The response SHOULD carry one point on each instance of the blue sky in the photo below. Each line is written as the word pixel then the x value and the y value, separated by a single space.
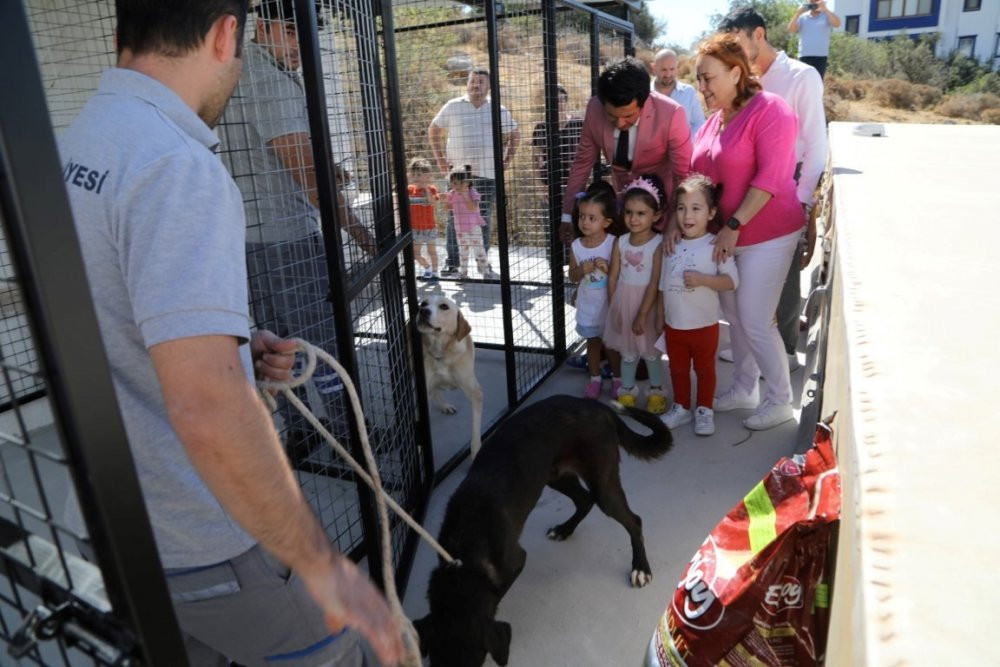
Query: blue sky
pixel 686 19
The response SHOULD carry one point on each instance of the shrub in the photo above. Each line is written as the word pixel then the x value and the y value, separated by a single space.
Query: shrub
pixel 846 89
pixel 971 107
pixel 987 82
pixel 962 70
pixel 900 94
pixel 836 108
pixel 991 116
pixel 915 60
pixel 852 55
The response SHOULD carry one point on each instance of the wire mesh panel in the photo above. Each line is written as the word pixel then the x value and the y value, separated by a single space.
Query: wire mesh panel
pixel 16 346
pixel 540 73
pixel 71 72
pixel 307 121
pixel 37 550
pixel 312 275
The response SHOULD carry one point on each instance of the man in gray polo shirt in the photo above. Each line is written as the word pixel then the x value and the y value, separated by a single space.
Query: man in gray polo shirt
pixel 162 234
pixel 267 147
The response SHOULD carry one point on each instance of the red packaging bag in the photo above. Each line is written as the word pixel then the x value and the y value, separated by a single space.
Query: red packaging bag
pixel 756 592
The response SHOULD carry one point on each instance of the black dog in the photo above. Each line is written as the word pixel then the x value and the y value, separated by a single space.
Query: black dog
pixel 556 442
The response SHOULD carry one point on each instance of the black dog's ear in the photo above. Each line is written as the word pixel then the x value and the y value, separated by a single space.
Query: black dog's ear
pixel 425 629
pixel 498 641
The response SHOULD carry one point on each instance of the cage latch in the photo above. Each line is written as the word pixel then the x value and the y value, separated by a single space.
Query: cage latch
pixel 43 624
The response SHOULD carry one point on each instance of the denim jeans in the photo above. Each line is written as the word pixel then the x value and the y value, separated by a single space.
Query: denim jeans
pixel 487 189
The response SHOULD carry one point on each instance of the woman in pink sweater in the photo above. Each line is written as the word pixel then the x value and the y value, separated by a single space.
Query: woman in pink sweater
pixel 748 146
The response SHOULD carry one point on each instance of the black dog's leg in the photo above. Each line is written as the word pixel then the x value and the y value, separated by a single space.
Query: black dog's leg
pixel 569 485
pixel 611 499
pixel 515 560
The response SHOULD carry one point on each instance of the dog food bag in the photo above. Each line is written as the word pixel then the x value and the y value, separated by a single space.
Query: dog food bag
pixel 756 592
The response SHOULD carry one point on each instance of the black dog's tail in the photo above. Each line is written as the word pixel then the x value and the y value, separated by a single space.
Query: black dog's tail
pixel 645 447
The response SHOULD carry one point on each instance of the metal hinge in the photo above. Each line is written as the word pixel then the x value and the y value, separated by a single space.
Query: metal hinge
pixel 43 624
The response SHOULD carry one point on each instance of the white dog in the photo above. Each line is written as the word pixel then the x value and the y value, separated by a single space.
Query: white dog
pixel 449 358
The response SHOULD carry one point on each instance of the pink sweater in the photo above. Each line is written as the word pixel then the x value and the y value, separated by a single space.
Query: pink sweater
pixel 467 217
pixel 756 149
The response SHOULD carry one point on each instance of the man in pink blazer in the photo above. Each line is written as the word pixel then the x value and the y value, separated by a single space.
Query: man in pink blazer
pixel 657 134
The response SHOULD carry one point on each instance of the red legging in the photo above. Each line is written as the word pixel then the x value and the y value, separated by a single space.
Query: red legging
pixel 685 346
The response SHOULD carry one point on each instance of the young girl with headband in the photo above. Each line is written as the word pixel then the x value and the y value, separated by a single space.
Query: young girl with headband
pixel 631 329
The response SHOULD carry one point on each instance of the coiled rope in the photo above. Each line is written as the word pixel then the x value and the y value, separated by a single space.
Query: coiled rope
pixel 370 477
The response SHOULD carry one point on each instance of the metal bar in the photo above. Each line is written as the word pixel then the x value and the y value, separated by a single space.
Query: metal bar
pixel 45 250
pixel 312 79
pixel 422 428
pixel 564 6
pixel 594 11
pixel 392 292
pixel 554 170
pixel 500 196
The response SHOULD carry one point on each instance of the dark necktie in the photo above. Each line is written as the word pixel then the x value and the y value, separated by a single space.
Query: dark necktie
pixel 621 151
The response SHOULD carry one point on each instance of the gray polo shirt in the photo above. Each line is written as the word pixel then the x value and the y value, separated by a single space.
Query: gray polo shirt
pixel 161 230
pixel 268 103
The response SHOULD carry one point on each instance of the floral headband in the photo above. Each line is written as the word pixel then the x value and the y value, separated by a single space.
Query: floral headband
pixel 646 185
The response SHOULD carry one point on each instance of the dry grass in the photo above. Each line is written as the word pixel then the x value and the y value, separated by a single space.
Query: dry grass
pixel 975 107
pixel 896 101
pixel 899 94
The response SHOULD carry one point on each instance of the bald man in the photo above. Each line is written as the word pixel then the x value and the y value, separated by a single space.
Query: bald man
pixel 665 82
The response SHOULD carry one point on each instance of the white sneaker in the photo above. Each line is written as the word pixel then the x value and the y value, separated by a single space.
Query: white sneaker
pixel 490 274
pixel 726 354
pixel 734 399
pixel 704 421
pixel 676 416
pixel 793 363
pixel 768 415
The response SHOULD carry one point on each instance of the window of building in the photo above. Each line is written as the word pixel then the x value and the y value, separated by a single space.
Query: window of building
pixel 972 5
pixel 967 46
pixel 852 24
pixel 892 9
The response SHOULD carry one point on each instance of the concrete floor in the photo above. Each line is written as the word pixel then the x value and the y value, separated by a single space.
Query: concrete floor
pixel 572 604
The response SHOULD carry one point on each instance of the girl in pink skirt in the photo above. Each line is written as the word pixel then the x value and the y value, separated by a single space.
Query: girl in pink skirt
pixel 631 330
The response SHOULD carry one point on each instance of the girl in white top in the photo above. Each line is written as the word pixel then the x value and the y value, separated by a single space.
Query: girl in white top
pixel 690 284
pixel 631 329
pixel 589 265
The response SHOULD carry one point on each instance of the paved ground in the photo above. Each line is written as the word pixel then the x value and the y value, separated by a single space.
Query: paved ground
pixel 572 604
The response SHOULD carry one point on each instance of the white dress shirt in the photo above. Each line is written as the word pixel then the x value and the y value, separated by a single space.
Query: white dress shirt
pixel 801 86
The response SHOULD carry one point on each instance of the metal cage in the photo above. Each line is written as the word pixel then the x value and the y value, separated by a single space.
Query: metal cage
pixel 372 76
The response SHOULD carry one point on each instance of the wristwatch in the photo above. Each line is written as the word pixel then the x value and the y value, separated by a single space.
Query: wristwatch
pixel 734 224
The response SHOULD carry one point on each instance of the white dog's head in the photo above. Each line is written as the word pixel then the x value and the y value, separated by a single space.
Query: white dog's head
pixel 439 315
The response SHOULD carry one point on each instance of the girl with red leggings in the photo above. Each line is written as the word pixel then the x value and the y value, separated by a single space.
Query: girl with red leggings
pixel 690 282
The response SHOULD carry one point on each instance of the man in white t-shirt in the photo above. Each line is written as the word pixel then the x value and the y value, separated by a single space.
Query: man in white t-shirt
pixel 665 82
pixel 462 133
pixel 814 22
pixel 800 86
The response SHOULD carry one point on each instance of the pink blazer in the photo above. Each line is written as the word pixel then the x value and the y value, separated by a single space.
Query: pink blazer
pixel 663 147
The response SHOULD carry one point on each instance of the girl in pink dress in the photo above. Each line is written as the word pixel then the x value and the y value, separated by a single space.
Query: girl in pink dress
pixel 463 200
pixel 631 330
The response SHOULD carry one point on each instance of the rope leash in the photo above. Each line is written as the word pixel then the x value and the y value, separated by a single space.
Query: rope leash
pixel 373 480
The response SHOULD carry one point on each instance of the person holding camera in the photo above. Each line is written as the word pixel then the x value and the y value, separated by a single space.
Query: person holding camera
pixel 813 23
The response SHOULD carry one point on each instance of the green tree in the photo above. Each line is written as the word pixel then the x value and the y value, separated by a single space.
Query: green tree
pixel 776 13
pixel 914 59
pixel 647 27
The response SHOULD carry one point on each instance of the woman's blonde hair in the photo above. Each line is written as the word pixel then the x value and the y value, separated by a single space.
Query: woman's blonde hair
pixel 726 48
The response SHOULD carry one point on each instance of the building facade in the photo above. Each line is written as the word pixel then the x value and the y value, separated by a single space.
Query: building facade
pixel 969 26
